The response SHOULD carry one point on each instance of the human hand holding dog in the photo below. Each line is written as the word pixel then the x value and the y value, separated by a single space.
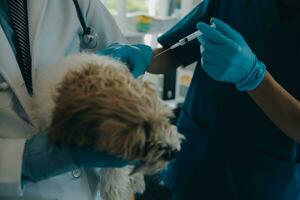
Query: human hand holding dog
pixel 136 57
pixel 86 157
pixel 43 159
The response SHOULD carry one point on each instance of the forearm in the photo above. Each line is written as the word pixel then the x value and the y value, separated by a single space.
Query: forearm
pixel 162 63
pixel 42 159
pixel 280 106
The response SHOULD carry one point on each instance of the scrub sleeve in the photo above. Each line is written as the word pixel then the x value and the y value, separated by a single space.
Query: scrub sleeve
pixel 186 55
pixel 190 52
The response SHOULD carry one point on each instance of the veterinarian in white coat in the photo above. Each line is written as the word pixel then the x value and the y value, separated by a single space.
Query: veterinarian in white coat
pixel 54 32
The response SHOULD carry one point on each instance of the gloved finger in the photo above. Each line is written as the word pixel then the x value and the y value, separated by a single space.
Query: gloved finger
pixel 146 52
pixel 212 34
pixel 136 73
pixel 135 64
pixel 115 45
pixel 210 59
pixel 201 50
pixel 142 60
pixel 206 61
pixel 103 159
pixel 207 67
pixel 208 56
pixel 212 71
pixel 208 45
pixel 134 61
pixel 108 51
pixel 226 29
pixel 144 48
pixel 118 55
pixel 104 52
pixel 139 68
pixel 87 157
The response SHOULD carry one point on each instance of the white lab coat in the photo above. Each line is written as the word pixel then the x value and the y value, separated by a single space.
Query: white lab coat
pixel 54 33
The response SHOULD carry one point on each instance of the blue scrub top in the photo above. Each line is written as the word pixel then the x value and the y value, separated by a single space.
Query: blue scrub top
pixel 233 151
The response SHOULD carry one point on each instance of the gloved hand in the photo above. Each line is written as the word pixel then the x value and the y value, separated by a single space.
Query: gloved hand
pixel 137 57
pixel 42 160
pixel 227 57
pixel 85 157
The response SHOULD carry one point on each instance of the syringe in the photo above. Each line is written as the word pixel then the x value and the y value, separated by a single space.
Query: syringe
pixel 182 42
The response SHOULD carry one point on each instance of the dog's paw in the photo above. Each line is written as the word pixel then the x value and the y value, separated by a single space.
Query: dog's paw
pixel 137 183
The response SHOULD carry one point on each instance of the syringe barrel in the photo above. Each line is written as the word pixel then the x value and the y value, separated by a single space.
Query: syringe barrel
pixel 194 35
pixel 190 37
pixel 186 39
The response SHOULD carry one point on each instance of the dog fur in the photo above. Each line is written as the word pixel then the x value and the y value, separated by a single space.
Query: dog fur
pixel 94 101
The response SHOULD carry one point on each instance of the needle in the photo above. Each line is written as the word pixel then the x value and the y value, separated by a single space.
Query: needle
pixel 182 42
pixel 163 52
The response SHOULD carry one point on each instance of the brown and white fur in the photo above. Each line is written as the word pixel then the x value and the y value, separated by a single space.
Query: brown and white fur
pixel 93 101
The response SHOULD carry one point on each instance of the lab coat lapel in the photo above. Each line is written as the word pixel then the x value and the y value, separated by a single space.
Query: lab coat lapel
pixel 10 70
pixel 36 12
pixel 9 67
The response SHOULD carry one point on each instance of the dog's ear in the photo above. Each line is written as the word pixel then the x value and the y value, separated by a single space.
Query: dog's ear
pixel 75 121
pixel 118 138
pixel 86 125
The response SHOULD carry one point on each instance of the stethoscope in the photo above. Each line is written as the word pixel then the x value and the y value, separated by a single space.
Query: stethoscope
pixel 89 37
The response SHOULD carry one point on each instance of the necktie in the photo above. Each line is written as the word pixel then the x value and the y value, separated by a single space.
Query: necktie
pixel 19 19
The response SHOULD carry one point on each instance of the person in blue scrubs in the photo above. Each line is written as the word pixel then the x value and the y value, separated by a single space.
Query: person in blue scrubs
pixel 241 142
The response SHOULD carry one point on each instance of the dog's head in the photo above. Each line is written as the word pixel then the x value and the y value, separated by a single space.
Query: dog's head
pixel 158 152
pixel 100 105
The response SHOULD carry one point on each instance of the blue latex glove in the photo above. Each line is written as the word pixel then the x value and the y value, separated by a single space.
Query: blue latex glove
pixel 86 157
pixel 227 57
pixel 136 57
pixel 42 160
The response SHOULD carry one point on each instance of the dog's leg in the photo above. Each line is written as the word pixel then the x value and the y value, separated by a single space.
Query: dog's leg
pixel 115 184
pixel 137 183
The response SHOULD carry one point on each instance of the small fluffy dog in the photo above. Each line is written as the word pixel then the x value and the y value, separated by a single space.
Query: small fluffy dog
pixel 94 101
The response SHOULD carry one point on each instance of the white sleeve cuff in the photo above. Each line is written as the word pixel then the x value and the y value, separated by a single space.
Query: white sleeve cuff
pixel 11 157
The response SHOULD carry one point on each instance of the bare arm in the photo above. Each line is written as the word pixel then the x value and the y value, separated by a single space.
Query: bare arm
pixel 280 106
pixel 162 63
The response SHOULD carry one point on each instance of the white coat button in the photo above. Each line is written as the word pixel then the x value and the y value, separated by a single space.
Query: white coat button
pixel 4 86
pixel 77 173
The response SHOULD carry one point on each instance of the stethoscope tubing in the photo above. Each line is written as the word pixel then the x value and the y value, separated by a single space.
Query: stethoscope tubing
pixel 81 18
pixel 89 38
